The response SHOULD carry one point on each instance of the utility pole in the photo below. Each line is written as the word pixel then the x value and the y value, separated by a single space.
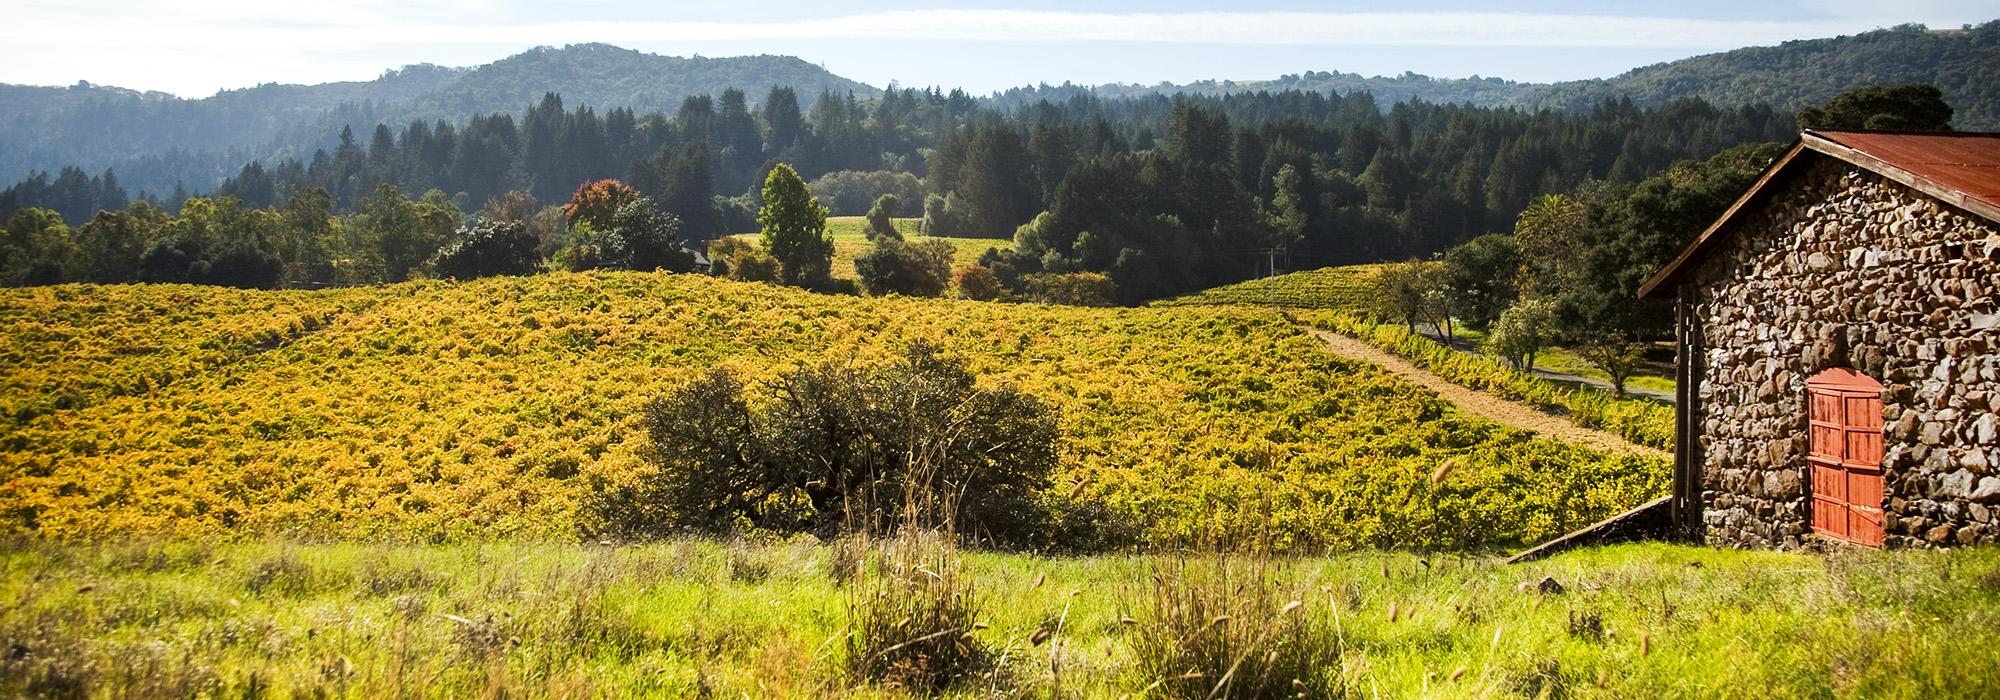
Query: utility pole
pixel 1270 266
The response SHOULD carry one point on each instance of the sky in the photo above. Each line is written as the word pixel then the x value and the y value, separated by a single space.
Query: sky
pixel 193 49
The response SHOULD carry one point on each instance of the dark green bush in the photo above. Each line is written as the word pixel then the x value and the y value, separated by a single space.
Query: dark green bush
pixel 918 269
pixel 491 248
pixel 836 447
pixel 1070 289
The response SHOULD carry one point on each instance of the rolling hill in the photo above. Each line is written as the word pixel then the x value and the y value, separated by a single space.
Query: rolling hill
pixel 1347 289
pixel 496 408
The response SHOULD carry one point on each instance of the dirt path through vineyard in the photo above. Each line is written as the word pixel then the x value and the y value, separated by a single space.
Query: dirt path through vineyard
pixel 1491 407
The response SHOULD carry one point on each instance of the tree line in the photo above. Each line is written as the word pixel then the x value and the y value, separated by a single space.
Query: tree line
pixel 1159 195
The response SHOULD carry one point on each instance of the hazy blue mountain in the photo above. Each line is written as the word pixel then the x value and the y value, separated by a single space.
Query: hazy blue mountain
pixel 46 128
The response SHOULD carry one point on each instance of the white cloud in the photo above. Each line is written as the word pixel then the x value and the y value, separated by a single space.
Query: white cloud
pixel 198 46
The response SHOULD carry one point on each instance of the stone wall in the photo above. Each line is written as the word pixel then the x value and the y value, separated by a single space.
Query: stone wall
pixel 1844 268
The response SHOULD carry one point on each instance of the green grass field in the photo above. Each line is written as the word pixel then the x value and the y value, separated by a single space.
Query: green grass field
pixel 706 619
pixel 849 242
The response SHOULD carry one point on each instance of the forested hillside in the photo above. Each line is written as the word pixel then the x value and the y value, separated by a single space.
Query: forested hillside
pixel 1160 195
pixel 1964 63
pixel 154 140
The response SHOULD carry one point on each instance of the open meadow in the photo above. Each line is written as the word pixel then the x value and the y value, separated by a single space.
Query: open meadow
pixel 694 618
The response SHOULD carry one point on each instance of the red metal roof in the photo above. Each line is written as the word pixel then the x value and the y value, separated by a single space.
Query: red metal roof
pixel 1958 168
pixel 1954 165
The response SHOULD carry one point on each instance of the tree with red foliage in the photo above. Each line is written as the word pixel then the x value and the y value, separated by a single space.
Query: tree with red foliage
pixel 595 202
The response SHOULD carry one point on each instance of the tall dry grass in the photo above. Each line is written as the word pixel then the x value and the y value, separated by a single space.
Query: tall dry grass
pixel 1234 626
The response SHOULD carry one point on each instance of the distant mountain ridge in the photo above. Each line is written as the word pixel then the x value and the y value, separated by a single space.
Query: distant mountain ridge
pixel 1963 63
pixel 155 139
pixel 93 126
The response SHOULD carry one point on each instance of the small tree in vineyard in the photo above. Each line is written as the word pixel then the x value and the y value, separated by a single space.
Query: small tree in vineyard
pixel 794 227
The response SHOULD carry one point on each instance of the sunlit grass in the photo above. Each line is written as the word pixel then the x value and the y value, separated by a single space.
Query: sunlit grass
pixel 684 618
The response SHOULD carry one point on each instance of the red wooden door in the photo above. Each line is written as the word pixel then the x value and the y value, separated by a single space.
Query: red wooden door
pixel 1846 456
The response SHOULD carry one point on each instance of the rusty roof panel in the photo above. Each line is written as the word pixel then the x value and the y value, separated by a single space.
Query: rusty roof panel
pixel 1963 163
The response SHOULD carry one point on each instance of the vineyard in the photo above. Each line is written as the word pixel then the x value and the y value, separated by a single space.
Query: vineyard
pixel 850 242
pixel 1346 289
pixel 435 411
pixel 1641 421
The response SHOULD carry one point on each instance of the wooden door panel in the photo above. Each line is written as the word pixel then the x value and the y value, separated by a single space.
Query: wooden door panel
pixel 1862 411
pixel 1827 441
pixel 1865 526
pixel 1830 517
pixel 1863 489
pixel 1864 449
pixel 1830 483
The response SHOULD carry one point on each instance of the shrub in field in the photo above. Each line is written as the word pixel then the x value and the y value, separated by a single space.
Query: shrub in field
pixel 793 225
pixel 1617 355
pixel 1412 291
pixel 738 260
pixel 651 238
pixel 596 202
pixel 881 218
pixel 892 266
pixel 1069 288
pixel 833 445
pixel 1523 331
pixel 1232 627
pixel 976 282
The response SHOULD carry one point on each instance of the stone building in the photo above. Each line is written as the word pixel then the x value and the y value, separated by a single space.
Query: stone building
pixel 1840 348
